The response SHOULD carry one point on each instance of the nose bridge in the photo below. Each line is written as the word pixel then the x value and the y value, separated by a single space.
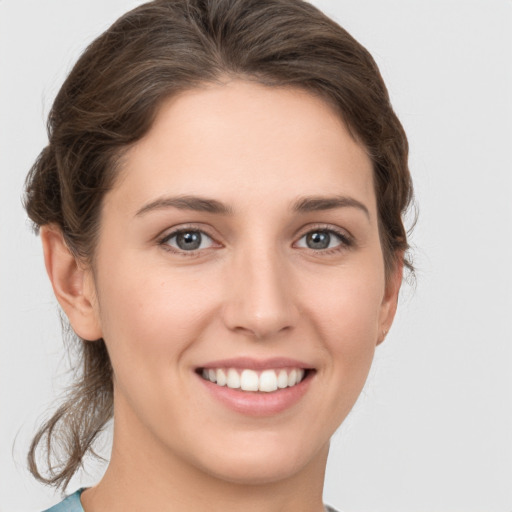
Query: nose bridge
pixel 260 299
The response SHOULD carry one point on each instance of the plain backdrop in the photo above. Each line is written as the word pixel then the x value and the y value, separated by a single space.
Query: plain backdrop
pixel 432 430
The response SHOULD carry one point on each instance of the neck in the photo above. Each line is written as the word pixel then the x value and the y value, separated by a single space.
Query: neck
pixel 145 476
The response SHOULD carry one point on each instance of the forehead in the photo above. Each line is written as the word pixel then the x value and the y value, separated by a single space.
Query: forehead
pixel 241 139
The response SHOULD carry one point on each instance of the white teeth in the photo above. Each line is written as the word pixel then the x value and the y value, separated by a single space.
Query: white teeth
pixel 251 380
pixel 221 377
pixel 233 380
pixel 268 381
pixel 282 379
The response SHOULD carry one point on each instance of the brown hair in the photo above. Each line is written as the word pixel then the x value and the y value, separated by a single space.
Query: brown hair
pixel 109 101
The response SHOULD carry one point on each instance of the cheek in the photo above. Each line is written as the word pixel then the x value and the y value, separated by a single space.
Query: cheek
pixel 148 316
pixel 347 318
pixel 149 324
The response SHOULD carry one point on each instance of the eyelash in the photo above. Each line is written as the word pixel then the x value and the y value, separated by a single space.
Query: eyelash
pixel 346 240
pixel 163 242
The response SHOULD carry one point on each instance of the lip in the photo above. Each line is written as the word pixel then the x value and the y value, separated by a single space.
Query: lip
pixel 257 364
pixel 257 404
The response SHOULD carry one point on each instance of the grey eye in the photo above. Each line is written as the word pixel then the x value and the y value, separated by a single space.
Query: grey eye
pixel 320 239
pixel 192 240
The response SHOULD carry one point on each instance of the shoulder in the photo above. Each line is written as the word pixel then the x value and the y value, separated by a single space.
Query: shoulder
pixel 70 504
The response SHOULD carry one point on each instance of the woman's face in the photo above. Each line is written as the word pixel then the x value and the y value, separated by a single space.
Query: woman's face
pixel 240 243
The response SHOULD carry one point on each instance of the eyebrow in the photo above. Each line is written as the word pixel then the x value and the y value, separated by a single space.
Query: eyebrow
pixel 198 204
pixel 203 204
pixel 320 203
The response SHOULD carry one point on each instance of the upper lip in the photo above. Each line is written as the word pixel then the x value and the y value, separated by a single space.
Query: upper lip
pixel 257 364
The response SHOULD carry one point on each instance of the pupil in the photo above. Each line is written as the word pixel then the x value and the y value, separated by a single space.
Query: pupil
pixel 318 240
pixel 189 240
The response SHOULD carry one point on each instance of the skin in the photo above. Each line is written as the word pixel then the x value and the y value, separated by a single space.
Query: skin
pixel 254 289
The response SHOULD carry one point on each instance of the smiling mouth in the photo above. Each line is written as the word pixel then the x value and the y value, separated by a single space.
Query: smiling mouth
pixel 266 381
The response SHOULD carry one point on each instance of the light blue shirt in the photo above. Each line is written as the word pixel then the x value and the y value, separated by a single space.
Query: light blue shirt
pixel 70 504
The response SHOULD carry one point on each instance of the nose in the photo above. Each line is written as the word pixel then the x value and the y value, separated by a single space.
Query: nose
pixel 260 299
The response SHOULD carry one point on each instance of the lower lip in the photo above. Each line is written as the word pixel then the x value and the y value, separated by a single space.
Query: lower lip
pixel 259 403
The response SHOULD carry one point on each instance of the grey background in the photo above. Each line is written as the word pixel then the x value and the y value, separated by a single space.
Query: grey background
pixel 433 428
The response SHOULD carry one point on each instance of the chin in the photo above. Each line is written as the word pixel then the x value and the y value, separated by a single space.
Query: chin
pixel 257 464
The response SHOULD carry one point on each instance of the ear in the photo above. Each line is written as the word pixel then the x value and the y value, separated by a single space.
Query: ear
pixel 72 283
pixel 390 299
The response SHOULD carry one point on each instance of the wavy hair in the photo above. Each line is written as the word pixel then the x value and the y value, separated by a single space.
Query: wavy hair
pixel 109 101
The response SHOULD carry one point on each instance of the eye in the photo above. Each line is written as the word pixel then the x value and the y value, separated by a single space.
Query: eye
pixel 322 239
pixel 188 240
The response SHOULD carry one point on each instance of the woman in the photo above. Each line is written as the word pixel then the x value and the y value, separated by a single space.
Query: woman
pixel 220 206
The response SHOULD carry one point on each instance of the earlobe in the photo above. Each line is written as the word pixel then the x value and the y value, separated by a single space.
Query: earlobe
pixel 390 300
pixel 72 284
